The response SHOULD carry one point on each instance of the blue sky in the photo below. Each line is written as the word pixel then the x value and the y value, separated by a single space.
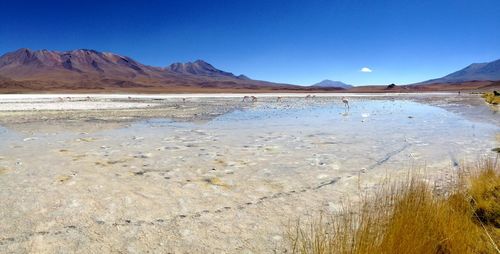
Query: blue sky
pixel 298 42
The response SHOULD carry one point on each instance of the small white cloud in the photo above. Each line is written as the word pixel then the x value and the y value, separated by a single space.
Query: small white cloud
pixel 366 69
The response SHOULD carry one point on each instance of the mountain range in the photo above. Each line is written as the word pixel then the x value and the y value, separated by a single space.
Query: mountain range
pixel 26 70
pixel 86 69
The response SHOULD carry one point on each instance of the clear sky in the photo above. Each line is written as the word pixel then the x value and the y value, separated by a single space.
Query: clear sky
pixel 290 41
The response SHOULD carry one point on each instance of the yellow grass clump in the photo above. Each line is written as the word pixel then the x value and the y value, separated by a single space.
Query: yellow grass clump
pixel 492 97
pixel 411 217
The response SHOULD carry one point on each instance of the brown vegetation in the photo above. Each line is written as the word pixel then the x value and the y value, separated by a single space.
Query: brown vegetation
pixel 492 97
pixel 412 217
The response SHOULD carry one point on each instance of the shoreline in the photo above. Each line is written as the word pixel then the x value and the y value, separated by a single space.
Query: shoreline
pixel 202 106
pixel 203 95
pixel 82 102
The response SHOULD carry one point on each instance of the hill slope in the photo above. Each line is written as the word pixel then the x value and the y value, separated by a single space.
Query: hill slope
pixel 474 72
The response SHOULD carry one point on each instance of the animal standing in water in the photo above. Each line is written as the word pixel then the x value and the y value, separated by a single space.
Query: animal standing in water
pixel 253 98
pixel 346 102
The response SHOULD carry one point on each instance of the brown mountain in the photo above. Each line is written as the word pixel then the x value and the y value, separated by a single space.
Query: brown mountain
pixel 25 64
pixel 83 69
pixel 202 68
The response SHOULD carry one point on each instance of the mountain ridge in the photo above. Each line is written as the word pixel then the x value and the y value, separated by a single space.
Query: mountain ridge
pixel 25 64
pixel 17 64
pixel 88 69
pixel 488 71
pixel 91 70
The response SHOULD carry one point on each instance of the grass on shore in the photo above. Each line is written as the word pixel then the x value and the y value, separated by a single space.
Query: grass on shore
pixel 412 217
pixel 491 98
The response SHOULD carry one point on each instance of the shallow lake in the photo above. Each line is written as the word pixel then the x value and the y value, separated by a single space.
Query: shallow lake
pixel 228 179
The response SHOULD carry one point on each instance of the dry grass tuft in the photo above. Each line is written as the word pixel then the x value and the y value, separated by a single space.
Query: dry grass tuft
pixel 485 195
pixel 411 217
pixel 491 98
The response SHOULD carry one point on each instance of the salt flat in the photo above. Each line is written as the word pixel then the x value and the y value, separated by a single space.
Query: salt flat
pixel 212 173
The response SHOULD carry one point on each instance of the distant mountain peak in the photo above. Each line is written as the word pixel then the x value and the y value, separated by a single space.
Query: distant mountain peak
pixel 332 83
pixel 201 68
pixel 489 71
pixel 199 61
pixel 241 76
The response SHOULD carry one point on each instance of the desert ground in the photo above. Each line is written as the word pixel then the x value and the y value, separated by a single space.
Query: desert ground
pixel 205 173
